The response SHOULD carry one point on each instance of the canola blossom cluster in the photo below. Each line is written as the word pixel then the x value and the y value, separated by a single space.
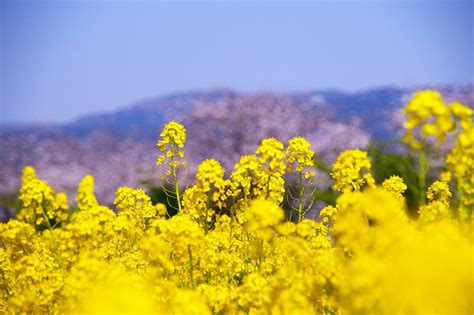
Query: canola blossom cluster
pixel 232 249
pixel 428 116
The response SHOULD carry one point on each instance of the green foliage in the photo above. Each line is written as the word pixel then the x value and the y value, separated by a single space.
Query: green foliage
pixel 158 195
pixel 386 162
pixel 9 205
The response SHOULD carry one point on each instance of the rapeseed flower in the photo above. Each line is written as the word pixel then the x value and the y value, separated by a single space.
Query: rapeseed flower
pixel 231 251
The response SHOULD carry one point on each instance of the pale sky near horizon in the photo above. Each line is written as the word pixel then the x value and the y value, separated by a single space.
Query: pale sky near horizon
pixel 60 60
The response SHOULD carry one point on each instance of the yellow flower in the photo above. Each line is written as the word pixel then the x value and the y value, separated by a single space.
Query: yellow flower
pixel 231 251
pixel 135 204
pixel 463 113
pixel 173 138
pixel 396 186
pixel 269 182
pixel 85 193
pixel 350 171
pixel 160 160
pixel 439 191
pixel 466 138
pixel 173 133
pixel 243 176
pixel 427 108
pixel 171 144
pixel 299 151
pixel 209 172
pixel 262 216
pixel 41 206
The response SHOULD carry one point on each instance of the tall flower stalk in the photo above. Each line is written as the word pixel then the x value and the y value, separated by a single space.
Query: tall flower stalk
pixel 300 158
pixel 171 144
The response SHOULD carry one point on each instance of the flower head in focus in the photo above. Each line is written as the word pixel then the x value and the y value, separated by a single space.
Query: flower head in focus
pixel 172 142
pixel 351 171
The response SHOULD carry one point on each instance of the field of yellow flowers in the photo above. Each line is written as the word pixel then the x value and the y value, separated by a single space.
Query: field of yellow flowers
pixel 230 249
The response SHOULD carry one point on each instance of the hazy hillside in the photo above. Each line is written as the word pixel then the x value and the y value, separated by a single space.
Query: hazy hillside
pixel 141 121
pixel 122 143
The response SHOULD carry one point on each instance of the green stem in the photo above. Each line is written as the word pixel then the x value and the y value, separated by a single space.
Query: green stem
pixel 5 282
pixel 191 266
pixel 422 171
pixel 465 213
pixel 460 198
pixel 231 225
pixel 53 241
pixel 175 177
pixel 300 195
pixel 176 188
pixel 206 228
pixel 465 210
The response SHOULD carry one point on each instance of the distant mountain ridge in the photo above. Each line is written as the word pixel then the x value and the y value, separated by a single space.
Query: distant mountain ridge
pixel 142 121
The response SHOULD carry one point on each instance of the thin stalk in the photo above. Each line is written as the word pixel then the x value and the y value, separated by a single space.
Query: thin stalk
pixel 465 211
pixel 191 266
pixel 300 200
pixel 422 171
pixel 206 228
pixel 231 225
pixel 175 178
pixel 5 282
pixel 53 241
pixel 176 187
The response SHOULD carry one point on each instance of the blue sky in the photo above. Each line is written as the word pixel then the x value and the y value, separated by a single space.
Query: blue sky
pixel 60 60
